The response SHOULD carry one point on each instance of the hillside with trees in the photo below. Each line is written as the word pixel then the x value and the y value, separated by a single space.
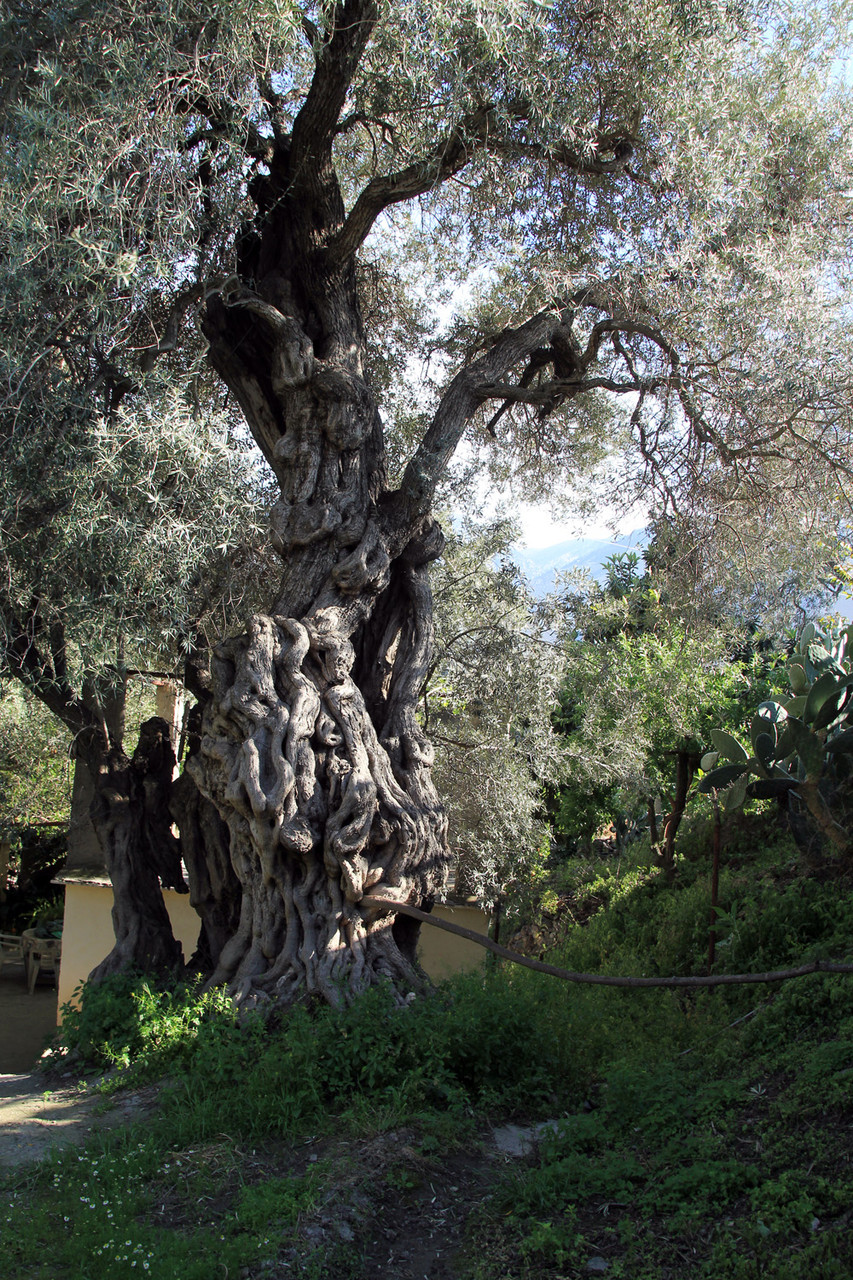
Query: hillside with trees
pixel 286 291
pixel 226 234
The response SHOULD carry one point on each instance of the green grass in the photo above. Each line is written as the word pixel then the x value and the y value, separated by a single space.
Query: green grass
pixel 739 1162
pixel 704 1133
pixel 728 1151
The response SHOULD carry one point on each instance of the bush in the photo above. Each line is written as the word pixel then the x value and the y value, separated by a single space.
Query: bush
pixel 134 1021
pixel 506 1040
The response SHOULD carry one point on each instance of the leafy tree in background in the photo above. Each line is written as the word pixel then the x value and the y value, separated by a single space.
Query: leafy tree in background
pixel 115 533
pixel 35 790
pixel 643 689
pixel 127 517
pixel 488 705
pixel 35 781
pixel 648 206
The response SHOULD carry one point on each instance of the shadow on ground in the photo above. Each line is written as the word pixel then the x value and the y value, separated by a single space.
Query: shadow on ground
pixel 26 1021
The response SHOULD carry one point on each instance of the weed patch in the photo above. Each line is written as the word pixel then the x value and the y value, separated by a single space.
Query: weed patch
pixel 703 1133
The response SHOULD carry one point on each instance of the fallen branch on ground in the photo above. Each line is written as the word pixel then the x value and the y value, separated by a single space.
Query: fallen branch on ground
pixel 605 980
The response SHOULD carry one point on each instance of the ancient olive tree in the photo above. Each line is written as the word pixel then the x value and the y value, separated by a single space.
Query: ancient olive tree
pixel 110 563
pixel 648 205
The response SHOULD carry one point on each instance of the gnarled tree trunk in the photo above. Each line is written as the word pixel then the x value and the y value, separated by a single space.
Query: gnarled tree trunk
pixel 215 891
pixel 310 746
pixel 131 819
pixel 312 754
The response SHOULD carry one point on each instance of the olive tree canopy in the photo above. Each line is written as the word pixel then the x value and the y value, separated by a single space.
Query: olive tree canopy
pixel 639 205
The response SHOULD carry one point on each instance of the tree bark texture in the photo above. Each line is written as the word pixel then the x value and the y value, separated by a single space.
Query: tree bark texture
pixel 215 891
pixel 131 819
pixel 129 806
pixel 326 796
pixel 310 747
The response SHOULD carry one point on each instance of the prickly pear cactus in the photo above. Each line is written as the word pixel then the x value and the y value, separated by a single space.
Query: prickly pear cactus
pixel 802 747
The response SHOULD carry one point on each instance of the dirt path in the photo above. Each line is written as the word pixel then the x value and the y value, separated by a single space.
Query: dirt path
pixel 27 1022
pixel 37 1116
pixel 33 1119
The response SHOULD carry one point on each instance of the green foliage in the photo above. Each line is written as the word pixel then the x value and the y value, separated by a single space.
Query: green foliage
pixel 730 1146
pixel 768 917
pixel 126 190
pixel 133 139
pixel 280 1201
pixel 35 780
pixel 712 1124
pixel 132 1020
pixel 645 682
pixel 128 503
pixel 495 750
pixel 801 746
pixel 553 1243
pixel 27 896
pixel 456 1047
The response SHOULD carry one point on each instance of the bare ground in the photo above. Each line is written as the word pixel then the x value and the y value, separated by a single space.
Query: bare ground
pixel 37 1114
pixel 27 1022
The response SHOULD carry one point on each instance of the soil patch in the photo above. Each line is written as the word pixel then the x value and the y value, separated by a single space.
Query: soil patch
pixel 401 1212
pixel 27 1022
pixel 420 1217
pixel 37 1115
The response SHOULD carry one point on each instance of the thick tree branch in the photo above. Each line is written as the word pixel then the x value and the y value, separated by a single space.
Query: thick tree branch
pixel 483 380
pixel 567 158
pixel 627 327
pixel 459 404
pixel 389 133
pixel 169 340
pixel 447 158
pixel 28 664
pixel 337 60
pixel 477 131
pixel 601 979
pixel 546 394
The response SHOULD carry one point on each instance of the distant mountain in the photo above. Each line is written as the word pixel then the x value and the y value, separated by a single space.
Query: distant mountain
pixel 540 565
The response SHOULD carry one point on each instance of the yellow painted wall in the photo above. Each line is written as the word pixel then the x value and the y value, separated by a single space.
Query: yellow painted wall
pixel 442 953
pixel 87 932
